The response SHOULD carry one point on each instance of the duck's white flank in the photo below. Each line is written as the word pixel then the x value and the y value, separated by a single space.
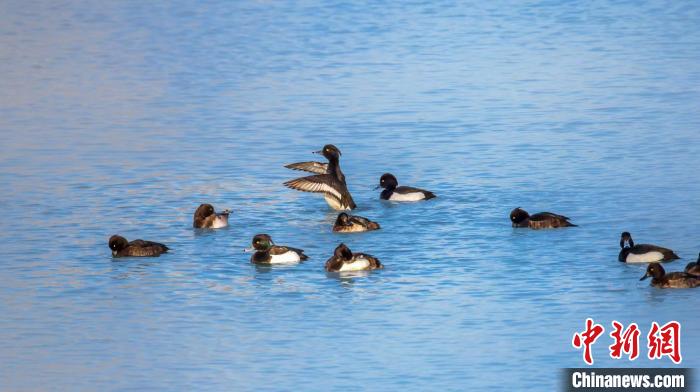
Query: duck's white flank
pixel 219 222
pixel 358 264
pixel 413 196
pixel 648 257
pixel 285 258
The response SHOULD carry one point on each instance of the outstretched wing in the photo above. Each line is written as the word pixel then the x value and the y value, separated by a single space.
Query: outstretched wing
pixel 326 184
pixel 311 167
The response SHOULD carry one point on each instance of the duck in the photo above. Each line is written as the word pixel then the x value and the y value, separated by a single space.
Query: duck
pixel 136 248
pixel 693 268
pixel 392 191
pixel 353 224
pixel 206 218
pixel 344 260
pixel 672 280
pixel 330 182
pixel 642 253
pixel 266 252
pixel 540 220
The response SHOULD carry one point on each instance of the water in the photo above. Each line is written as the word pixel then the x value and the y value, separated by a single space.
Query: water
pixel 123 118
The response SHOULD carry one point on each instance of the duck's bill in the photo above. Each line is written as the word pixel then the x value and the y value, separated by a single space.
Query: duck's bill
pixel 248 250
pixel 225 212
pixel 644 277
pixel 377 187
pixel 317 152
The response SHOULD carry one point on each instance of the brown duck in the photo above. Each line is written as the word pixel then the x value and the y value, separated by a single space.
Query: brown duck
pixel 671 280
pixel 693 267
pixel 205 217
pixel 136 248
pixel 343 260
pixel 541 220
pixel 353 224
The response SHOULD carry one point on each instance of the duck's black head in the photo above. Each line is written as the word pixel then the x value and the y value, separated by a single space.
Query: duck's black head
pixel 655 270
pixel 343 219
pixel 388 181
pixel 117 243
pixel 262 242
pixel 518 215
pixel 330 152
pixel 342 252
pixel 626 240
pixel 204 211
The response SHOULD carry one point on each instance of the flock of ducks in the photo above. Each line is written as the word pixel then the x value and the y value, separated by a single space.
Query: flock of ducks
pixel 329 180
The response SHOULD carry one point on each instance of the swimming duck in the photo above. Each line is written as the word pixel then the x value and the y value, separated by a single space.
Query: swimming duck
pixel 693 267
pixel 642 253
pixel 136 248
pixel 206 218
pixel 672 280
pixel 353 224
pixel 266 252
pixel 330 182
pixel 541 220
pixel 343 260
pixel 392 191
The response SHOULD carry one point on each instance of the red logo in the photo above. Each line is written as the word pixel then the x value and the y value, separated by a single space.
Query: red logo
pixel 665 341
pixel 662 341
pixel 627 342
pixel 587 338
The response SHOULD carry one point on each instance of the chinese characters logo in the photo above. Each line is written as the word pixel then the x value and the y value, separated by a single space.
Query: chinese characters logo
pixel 664 340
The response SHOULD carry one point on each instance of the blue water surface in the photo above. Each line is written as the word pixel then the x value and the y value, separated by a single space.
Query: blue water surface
pixel 123 117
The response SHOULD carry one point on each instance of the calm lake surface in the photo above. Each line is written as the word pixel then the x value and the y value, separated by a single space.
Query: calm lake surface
pixel 123 118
